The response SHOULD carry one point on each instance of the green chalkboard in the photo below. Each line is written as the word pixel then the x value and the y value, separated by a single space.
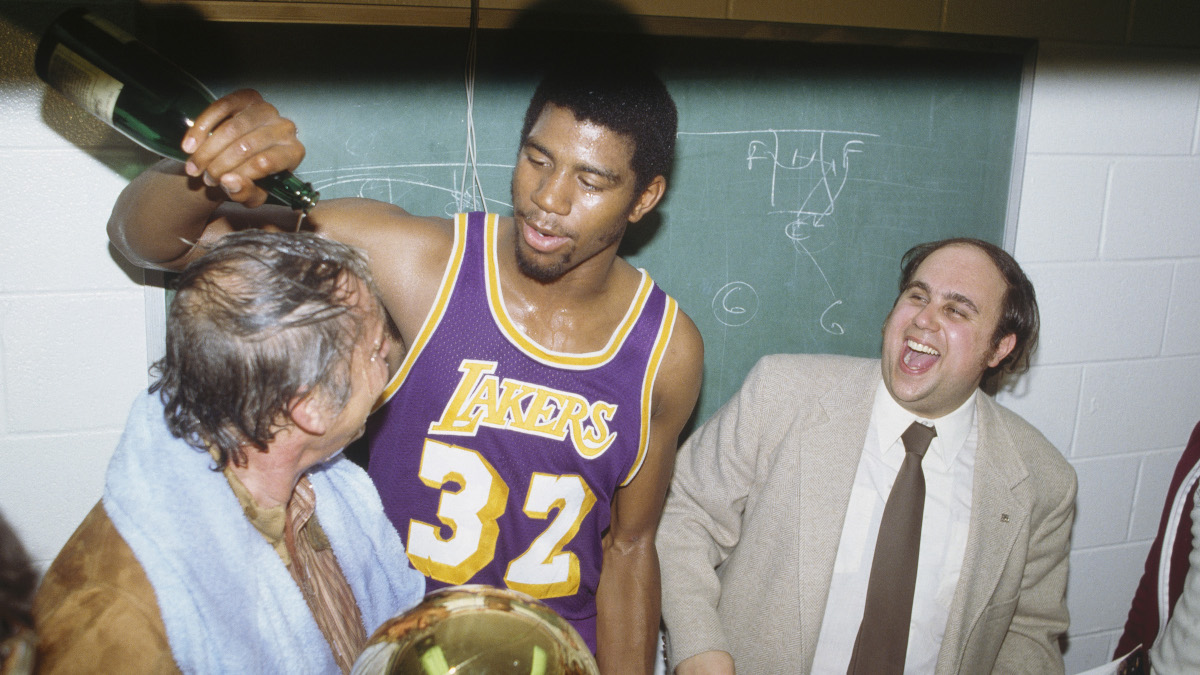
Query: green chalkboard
pixel 803 171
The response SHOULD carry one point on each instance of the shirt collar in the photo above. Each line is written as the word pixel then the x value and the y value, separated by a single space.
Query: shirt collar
pixel 952 429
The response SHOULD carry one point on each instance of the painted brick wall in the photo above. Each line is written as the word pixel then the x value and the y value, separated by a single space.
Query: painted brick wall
pixel 72 317
pixel 1108 230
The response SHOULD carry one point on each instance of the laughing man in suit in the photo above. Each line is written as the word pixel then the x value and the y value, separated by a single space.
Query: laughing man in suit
pixel 769 532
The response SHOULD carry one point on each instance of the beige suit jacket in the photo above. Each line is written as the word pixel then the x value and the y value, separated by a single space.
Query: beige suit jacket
pixel 753 519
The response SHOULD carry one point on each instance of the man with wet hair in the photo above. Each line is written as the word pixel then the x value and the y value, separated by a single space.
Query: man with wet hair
pixel 232 536
pixel 769 538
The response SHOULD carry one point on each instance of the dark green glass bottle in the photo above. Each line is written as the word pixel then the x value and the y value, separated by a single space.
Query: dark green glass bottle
pixel 136 91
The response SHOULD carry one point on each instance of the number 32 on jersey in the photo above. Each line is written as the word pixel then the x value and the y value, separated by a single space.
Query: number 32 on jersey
pixel 544 570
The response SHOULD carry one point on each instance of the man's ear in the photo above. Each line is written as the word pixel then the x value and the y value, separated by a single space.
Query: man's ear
pixel 649 198
pixel 1003 349
pixel 309 414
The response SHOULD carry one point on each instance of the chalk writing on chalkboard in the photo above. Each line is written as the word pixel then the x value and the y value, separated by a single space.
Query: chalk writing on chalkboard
pixel 807 170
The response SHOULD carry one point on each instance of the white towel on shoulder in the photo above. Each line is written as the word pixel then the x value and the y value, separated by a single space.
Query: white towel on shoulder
pixel 227 600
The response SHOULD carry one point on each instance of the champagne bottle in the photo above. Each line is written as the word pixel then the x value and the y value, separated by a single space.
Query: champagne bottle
pixel 136 91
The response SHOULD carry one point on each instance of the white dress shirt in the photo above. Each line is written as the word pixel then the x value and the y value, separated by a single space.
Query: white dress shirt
pixel 949 467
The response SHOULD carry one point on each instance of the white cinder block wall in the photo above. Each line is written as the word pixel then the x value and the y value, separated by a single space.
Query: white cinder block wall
pixel 1110 209
pixel 72 317
pixel 1109 231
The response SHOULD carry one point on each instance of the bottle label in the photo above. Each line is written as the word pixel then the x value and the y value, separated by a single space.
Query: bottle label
pixel 79 80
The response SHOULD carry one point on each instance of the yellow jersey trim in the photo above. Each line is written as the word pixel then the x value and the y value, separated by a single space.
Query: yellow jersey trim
pixel 666 329
pixel 547 356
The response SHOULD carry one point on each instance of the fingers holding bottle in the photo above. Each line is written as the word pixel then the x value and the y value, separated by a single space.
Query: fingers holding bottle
pixel 239 139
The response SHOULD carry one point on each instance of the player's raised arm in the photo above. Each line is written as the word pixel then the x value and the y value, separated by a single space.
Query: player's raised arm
pixel 170 207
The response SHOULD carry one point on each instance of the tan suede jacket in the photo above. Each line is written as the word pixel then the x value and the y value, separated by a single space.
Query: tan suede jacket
pixel 96 611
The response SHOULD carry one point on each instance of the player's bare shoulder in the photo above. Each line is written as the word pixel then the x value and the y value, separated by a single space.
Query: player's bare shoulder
pixel 686 350
pixel 407 253
pixel 390 236
pixel 687 339
pixel 681 372
pixel 369 224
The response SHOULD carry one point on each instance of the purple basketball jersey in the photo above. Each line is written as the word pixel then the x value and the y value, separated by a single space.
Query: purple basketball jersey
pixel 497 459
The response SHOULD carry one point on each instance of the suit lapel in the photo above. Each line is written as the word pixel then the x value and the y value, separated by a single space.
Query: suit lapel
pixel 999 509
pixel 829 451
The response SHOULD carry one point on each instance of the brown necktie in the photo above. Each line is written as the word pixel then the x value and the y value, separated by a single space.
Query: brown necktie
pixel 883 634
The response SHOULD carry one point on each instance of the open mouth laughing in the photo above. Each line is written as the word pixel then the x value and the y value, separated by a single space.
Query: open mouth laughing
pixel 919 357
